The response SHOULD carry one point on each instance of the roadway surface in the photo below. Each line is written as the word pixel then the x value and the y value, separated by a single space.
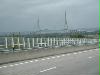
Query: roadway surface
pixel 76 63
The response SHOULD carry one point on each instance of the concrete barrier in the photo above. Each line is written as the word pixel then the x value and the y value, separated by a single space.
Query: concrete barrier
pixel 32 54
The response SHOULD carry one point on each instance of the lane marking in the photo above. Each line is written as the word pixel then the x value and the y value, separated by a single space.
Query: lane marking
pixel 58 56
pixel 47 58
pixel 48 69
pixel 75 53
pixel 21 63
pixel 95 49
pixel 90 57
pixel 4 66
pixel 16 64
pixel 43 59
pixel 31 61
pixel 53 57
pixel 79 52
pixel 26 62
pixel 84 51
pixel 63 55
pixel 11 65
pixel 36 60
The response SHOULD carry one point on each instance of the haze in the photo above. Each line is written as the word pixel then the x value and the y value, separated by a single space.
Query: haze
pixel 21 15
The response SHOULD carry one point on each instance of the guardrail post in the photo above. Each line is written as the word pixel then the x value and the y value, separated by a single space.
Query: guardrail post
pixel 33 42
pixel 41 41
pixel 28 41
pixel 12 41
pixel 45 42
pixel 48 41
pixel 6 42
pixel 37 42
pixel 64 41
pixel 23 43
pixel 53 41
pixel 18 42
pixel 56 41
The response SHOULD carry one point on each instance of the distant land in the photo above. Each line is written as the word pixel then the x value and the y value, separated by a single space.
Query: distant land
pixel 53 31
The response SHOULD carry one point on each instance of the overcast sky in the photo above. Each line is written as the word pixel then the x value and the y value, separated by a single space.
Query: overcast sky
pixel 21 15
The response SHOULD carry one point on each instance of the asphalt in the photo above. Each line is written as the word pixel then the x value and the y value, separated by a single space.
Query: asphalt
pixel 76 63
pixel 39 53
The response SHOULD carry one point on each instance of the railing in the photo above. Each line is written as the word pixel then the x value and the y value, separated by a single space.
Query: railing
pixel 23 43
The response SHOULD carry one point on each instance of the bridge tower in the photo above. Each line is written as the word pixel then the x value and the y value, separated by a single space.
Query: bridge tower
pixel 38 25
pixel 66 24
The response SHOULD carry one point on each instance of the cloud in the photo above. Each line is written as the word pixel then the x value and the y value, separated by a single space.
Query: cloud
pixel 21 15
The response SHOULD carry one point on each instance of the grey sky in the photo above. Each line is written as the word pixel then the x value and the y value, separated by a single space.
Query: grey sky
pixel 21 15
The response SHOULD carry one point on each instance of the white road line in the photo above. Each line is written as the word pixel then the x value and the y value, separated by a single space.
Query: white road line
pixel 79 52
pixel 4 66
pixel 31 61
pixel 43 59
pixel 53 57
pixel 26 62
pixel 84 51
pixel 11 65
pixel 90 57
pixel 48 69
pixel 36 60
pixel 75 53
pixel 16 64
pixel 58 56
pixel 47 58
pixel 21 63
pixel 63 55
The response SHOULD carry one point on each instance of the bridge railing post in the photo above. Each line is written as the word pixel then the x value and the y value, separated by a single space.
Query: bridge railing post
pixel 6 42
pixel 24 43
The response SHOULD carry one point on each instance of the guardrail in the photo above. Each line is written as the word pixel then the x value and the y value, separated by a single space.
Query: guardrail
pixel 14 44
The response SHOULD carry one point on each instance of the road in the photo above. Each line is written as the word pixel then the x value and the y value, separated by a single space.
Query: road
pixel 77 63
